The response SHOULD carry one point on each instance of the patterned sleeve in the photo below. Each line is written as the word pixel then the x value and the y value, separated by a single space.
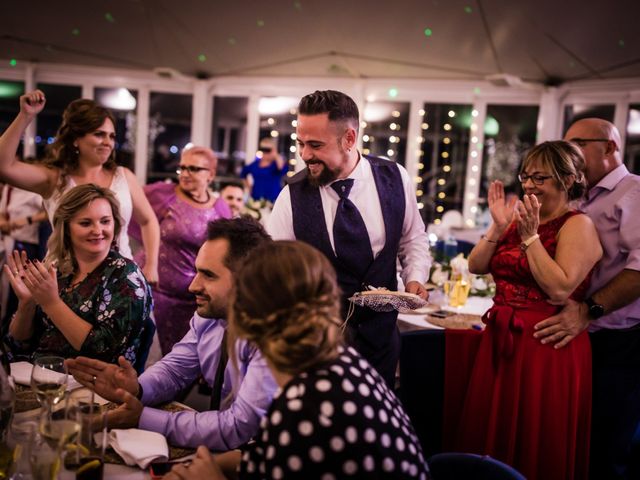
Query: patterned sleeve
pixel 120 306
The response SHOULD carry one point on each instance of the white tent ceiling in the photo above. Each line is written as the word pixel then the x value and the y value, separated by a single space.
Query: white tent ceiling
pixel 539 41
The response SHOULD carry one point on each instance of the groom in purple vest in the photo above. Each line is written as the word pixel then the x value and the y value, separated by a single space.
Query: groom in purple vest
pixel 361 212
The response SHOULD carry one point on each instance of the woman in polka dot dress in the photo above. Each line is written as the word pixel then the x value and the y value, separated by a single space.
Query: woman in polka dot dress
pixel 334 416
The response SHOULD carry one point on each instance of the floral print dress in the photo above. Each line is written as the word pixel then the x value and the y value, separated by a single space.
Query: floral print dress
pixel 115 298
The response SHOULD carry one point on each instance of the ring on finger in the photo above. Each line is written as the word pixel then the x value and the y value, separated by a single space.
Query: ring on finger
pixel 93 380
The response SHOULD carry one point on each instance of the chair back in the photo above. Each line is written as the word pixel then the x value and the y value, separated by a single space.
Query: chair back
pixel 146 339
pixel 463 466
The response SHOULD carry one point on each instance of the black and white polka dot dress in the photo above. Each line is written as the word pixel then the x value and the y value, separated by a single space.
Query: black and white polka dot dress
pixel 338 421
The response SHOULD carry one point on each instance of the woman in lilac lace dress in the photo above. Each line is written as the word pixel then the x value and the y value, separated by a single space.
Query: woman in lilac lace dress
pixel 183 212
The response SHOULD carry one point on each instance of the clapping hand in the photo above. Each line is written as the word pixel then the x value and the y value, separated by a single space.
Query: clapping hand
pixel 527 214
pixel 32 103
pixel 15 270
pixel 501 210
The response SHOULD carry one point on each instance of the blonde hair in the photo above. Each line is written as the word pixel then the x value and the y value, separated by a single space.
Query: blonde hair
pixel 77 198
pixel 564 160
pixel 286 301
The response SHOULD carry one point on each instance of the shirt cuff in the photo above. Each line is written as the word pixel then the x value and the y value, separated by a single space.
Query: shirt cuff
pixel 154 420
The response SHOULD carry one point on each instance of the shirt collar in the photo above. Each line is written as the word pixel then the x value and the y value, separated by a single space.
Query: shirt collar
pixel 360 172
pixel 610 180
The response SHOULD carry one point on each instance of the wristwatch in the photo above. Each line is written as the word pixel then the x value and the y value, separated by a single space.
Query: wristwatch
pixel 596 310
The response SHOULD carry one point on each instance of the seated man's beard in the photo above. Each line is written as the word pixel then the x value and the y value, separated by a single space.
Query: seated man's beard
pixel 325 178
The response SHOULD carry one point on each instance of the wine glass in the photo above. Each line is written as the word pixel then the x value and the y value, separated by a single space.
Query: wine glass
pixel 49 381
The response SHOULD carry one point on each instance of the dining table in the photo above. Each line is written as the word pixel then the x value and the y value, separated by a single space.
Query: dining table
pixel 27 407
pixel 437 342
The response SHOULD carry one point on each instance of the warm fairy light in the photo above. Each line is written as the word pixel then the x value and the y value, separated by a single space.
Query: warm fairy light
pixel 292 161
pixel 447 126
pixel 363 124
pixel 366 151
pixel 390 153
pixel 446 168
pixel 437 221
pixel 475 168
pixel 421 112
pixel 365 138
pixel 420 139
pixel 393 126
pixel 420 205
pixel 292 149
pixel 395 114
pixel 474 113
pixel 441 181
pixel 439 209
pixel 424 126
pixel 270 121
pixel 474 127
pixel 442 195
pixel 451 114
pixel 290 174
pixel 471 196
pixel 470 223
pixel 274 133
pixel 421 166
pixel 472 182
pixel 293 136
pixel 417 179
pixel 474 209
pixel 445 155
pixel 474 139
pixel 294 123
pixel 474 154
pixel 419 193
pixel 446 140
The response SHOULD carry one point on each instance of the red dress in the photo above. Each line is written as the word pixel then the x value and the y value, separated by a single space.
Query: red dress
pixel 525 403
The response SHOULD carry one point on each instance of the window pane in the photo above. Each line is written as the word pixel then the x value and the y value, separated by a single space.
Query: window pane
pixel 509 131
pixel 576 112
pixel 122 102
pixel 9 103
pixel 169 132
pixel 632 147
pixel 443 166
pixel 385 131
pixel 229 134
pixel 50 119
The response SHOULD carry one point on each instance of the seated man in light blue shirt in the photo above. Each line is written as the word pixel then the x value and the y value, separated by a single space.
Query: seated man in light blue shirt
pixel 199 352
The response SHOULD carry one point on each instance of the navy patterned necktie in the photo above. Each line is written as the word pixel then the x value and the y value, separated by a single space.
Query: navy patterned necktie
pixel 350 237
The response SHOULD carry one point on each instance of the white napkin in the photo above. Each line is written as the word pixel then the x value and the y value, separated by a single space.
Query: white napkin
pixel 21 373
pixel 139 447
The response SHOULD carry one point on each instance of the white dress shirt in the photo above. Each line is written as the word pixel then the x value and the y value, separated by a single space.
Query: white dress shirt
pixel 413 251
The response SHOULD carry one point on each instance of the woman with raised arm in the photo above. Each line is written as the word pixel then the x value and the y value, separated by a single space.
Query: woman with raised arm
pixel 83 152
pixel 85 298
pixel 528 403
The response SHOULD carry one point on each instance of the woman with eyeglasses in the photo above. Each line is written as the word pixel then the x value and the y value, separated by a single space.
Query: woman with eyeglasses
pixel 83 152
pixel 528 403
pixel 183 211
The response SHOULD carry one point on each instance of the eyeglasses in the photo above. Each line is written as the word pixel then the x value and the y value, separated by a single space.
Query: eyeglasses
pixel 581 142
pixel 536 178
pixel 265 149
pixel 190 169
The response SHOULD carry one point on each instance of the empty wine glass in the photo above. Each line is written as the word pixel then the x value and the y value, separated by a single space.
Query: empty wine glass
pixel 49 381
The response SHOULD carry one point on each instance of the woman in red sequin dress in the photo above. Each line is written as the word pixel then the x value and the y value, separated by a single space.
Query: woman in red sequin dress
pixel 528 403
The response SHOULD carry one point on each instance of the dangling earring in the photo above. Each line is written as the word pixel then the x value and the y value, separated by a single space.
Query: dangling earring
pixel 76 150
